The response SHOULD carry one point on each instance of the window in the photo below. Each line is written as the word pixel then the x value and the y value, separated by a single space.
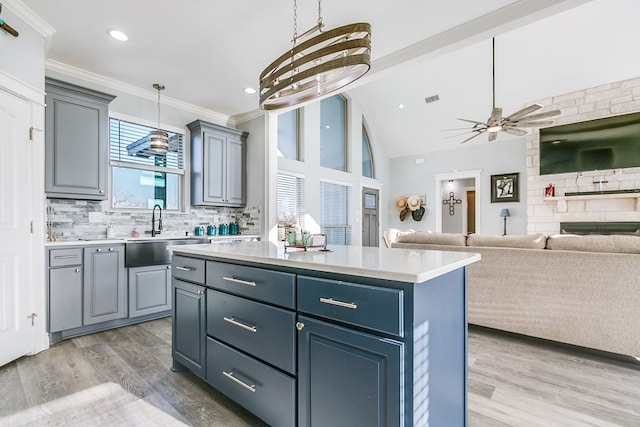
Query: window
pixel 290 200
pixel 367 156
pixel 289 135
pixel 334 213
pixel 333 133
pixel 140 177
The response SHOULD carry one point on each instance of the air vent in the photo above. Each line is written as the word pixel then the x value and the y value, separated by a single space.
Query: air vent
pixel 431 99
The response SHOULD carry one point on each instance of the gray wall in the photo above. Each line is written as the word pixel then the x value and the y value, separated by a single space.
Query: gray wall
pixel 508 156
pixel 256 161
pixel 22 57
pixel 454 223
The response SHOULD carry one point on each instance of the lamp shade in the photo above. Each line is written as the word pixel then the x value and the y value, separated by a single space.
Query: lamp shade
pixel 504 213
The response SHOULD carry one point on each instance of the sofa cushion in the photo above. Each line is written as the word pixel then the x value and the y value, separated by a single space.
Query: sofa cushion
pixel 623 244
pixel 525 241
pixel 448 239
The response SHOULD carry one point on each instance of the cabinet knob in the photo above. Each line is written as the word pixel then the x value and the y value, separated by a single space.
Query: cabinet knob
pixel 98 250
pixel 200 293
pixel 110 249
pixel 101 191
pixel 168 267
pixel 77 270
pixel 299 326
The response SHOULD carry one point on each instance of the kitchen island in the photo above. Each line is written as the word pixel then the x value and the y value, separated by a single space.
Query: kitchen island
pixel 347 337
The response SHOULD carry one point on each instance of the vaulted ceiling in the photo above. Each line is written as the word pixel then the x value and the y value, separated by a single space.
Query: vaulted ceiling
pixel 206 52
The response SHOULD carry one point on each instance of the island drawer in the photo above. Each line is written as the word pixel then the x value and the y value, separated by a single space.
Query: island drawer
pixel 378 309
pixel 263 331
pixel 256 283
pixel 263 390
pixel 64 257
pixel 186 268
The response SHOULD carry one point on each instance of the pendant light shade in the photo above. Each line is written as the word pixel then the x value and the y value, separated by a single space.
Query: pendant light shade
pixel 316 66
pixel 158 139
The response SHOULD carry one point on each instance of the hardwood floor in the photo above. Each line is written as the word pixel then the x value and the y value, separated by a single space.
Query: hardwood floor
pixel 122 377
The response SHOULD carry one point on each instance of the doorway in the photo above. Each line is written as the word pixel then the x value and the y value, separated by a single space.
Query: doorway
pixel 370 215
pixel 440 181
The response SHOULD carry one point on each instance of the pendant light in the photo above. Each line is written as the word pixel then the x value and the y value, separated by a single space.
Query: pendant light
pixel 316 66
pixel 158 139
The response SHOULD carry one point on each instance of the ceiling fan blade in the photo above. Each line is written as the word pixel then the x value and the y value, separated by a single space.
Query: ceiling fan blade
pixel 445 130
pixel 492 136
pixel 473 121
pixel 527 123
pixel 470 138
pixel 521 113
pixel 515 131
pixel 460 134
pixel 542 115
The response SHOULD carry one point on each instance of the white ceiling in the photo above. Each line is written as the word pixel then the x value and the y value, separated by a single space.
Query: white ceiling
pixel 206 52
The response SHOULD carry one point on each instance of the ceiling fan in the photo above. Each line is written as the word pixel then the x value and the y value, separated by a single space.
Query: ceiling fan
pixel 510 124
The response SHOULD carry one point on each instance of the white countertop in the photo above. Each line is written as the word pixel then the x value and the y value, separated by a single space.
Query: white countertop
pixel 404 265
pixel 114 241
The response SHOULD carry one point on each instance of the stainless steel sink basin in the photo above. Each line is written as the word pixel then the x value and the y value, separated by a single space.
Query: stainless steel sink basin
pixel 141 253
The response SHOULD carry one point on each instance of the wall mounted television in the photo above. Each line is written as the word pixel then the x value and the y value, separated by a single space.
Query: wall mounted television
pixel 608 143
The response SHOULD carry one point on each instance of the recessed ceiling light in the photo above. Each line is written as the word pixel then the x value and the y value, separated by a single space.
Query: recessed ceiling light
pixel 249 90
pixel 401 106
pixel 118 35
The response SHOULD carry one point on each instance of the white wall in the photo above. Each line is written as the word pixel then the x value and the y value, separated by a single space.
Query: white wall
pixel 502 157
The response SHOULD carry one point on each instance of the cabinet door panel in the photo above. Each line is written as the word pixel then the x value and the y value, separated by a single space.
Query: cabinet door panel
pixel 104 285
pixel 189 327
pixel 214 168
pixel 149 290
pixel 347 378
pixel 65 298
pixel 235 172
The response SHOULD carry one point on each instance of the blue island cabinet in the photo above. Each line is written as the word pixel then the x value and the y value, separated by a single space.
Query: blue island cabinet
pixel 347 349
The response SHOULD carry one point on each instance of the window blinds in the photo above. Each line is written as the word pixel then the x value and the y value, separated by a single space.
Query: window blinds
pixel 290 200
pixel 334 213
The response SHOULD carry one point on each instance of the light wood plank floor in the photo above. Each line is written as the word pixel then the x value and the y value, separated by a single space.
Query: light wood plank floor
pixel 122 377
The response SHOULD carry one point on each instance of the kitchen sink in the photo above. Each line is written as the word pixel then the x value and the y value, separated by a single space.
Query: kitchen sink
pixel 141 253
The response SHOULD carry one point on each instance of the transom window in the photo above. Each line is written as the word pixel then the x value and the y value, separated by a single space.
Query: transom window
pixel 141 178
pixel 289 135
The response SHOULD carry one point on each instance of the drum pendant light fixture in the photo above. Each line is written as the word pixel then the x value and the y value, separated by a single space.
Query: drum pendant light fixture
pixel 316 65
pixel 158 139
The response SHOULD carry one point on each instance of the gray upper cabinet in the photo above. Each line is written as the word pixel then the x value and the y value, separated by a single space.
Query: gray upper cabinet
pixel 218 166
pixel 105 286
pixel 76 141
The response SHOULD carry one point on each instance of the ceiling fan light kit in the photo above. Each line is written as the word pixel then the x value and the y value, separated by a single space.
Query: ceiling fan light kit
pixel 316 65
pixel 513 123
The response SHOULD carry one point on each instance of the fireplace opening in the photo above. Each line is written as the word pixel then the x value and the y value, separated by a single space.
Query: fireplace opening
pixel 632 228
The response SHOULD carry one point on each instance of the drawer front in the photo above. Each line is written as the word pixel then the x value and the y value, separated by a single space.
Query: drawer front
pixel 263 331
pixel 64 257
pixel 263 390
pixel 188 268
pixel 379 309
pixel 256 283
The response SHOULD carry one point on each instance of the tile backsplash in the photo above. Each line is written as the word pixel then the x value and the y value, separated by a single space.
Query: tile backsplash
pixel 82 219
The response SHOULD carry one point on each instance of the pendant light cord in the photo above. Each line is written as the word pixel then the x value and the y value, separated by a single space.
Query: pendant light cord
pixel 158 108
pixel 493 68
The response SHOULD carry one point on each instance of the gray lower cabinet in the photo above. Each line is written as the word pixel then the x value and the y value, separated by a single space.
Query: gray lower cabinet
pixel 218 167
pixel 65 289
pixel 149 290
pixel 76 141
pixel 105 286
pixel 188 327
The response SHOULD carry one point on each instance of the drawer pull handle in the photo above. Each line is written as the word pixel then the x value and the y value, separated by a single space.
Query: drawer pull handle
pixel 251 388
pixel 184 268
pixel 65 256
pixel 243 282
pixel 351 305
pixel 240 324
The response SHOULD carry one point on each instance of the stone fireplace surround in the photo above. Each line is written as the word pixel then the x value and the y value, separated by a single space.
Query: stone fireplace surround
pixel 546 213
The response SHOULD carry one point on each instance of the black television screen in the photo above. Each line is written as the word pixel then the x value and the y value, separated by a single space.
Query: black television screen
pixel 609 143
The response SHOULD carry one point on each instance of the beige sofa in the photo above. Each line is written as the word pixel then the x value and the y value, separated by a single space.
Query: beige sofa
pixel 580 290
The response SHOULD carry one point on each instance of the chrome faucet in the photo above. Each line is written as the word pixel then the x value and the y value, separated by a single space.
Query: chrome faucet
pixel 155 232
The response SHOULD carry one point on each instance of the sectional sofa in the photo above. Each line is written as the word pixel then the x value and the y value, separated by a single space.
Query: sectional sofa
pixel 580 290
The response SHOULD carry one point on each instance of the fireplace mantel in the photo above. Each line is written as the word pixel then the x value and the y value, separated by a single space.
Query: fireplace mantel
pixel 561 201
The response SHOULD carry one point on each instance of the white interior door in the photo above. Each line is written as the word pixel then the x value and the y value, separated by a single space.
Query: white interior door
pixel 16 287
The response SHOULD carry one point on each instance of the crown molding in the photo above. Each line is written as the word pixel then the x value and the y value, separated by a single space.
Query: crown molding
pixel 29 17
pixel 98 79
pixel 249 115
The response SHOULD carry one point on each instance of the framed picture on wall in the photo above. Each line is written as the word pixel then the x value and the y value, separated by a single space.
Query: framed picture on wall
pixel 505 188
